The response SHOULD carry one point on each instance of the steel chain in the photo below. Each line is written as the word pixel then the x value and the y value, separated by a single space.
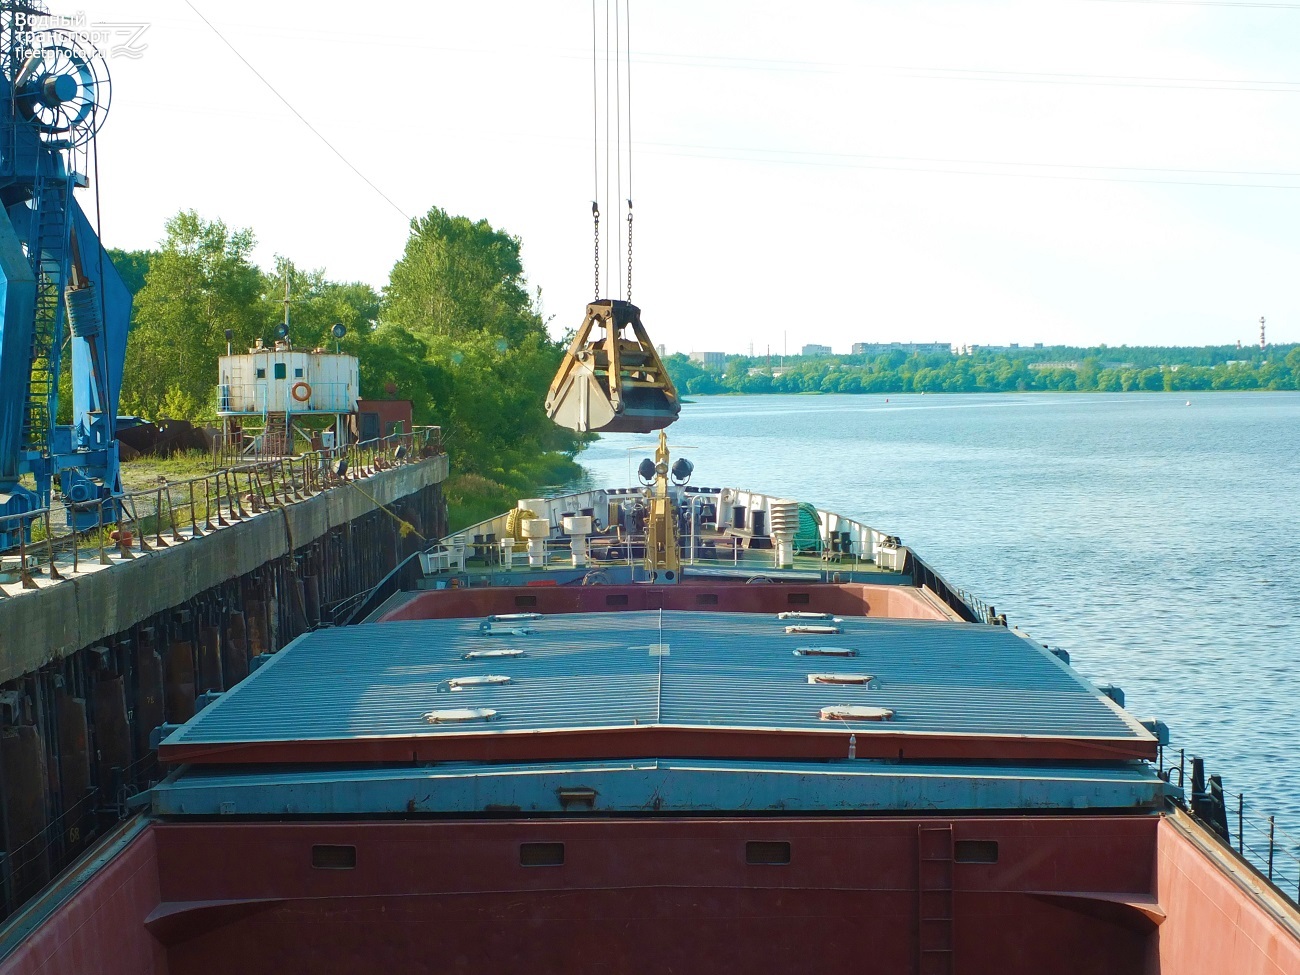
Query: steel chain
pixel 629 250
pixel 595 213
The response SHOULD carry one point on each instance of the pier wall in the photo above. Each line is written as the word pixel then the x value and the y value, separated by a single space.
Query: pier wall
pixel 92 664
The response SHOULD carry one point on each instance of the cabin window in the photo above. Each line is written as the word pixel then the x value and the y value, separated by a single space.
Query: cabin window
pixel 330 857
pixel 297 373
pixel 261 372
pixel 975 851
pixel 762 851
pixel 541 854
pixel 281 370
pixel 798 598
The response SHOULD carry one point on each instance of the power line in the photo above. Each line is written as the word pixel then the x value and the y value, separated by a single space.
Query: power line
pixel 302 118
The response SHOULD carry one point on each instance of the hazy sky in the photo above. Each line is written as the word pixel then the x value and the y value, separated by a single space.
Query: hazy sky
pixel 976 171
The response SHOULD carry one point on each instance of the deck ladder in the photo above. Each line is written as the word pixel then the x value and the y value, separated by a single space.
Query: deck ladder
pixel 934 900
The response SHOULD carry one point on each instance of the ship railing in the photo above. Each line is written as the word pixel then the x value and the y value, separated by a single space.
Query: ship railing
pixel 1272 850
pixel 54 541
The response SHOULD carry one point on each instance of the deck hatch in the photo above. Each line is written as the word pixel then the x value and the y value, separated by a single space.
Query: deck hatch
pixel 854 712
pixel 455 715
pixel 858 679
pixel 483 680
pixel 733 687
pixel 825 652
pixel 491 654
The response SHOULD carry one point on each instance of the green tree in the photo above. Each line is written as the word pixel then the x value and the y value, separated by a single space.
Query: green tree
pixel 199 284
pixel 458 299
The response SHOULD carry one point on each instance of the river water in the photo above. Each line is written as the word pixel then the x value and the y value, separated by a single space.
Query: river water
pixel 1155 538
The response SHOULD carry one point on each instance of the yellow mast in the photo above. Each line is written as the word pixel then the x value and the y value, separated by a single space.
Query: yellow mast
pixel 661 551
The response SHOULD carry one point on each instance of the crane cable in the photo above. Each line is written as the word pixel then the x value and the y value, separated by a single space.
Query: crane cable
pixel 627 19
pixel 619 25
pixel 595 146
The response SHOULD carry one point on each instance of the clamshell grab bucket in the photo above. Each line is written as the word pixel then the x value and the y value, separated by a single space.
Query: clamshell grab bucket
pixel 613 383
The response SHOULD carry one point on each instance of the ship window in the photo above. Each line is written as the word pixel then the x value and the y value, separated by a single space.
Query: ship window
pixel 281 370
pixel 261 372
pixel 327 857
pixel 798 598
pixel 541 854
pixel 706 599
pixel 975 851
pixel 297 373
pixel 761 851
pixel 528 600
pixel 619 600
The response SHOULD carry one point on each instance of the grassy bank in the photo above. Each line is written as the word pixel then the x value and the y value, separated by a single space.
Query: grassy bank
pixel 472 498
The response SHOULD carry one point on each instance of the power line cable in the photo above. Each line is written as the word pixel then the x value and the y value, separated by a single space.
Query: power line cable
pixel 302 118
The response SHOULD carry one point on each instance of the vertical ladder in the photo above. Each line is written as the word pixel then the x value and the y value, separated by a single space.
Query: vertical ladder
pixel 934 900
pixel 46 250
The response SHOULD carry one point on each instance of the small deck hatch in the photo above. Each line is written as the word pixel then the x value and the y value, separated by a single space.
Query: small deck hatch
pixel 862 679
pixel 818 629
pixel 452 715
pixel 485 680
pixel 490 654
pixel 854 712
pixel 802 615
pixel 825 652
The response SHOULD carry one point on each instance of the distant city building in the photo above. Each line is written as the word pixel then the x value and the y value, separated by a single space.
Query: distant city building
pixel 816 350
pixel 911 348
pixel 1013 347
pixel 710 360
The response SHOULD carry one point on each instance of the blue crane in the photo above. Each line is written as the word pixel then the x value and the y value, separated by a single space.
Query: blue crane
pixel 59 292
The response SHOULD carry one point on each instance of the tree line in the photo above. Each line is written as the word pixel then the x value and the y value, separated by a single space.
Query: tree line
pixel 456 331
pixel 1124 369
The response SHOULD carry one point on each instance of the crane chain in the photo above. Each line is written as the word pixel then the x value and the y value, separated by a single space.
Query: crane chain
pixel 595 214
pixel 629 250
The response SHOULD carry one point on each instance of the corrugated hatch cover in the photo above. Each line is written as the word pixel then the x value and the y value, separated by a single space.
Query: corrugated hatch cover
pixel 652 683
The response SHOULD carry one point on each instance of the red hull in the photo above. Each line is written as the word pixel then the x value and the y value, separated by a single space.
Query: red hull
pixel 1075 894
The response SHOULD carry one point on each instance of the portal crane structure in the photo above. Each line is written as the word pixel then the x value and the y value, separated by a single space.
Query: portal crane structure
pixel 60 296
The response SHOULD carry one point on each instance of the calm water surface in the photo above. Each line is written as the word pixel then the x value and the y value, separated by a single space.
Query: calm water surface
pixel 1157 541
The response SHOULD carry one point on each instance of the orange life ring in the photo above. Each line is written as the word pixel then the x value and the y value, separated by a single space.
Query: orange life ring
pixel 300 391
